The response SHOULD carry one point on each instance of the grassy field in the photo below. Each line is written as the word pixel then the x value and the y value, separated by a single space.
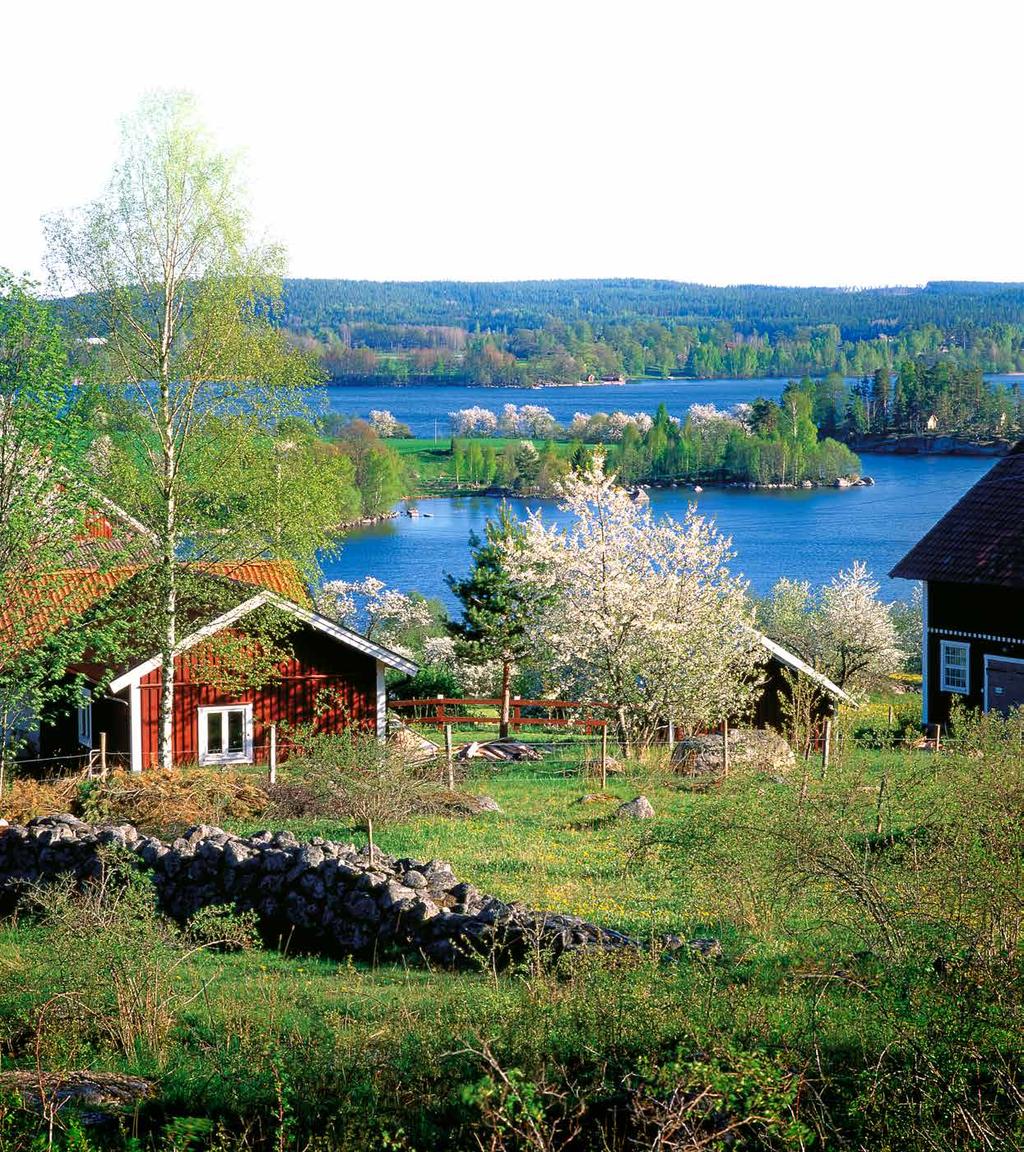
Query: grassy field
pixel 429 463
pixel 867 995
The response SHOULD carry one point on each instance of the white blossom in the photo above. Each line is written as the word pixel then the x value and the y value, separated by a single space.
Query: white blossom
pixel 531 420
pixel 475 421
pixel 439 651
pixel 742 414
pixel 385 614
pixel 383 423
pixel 844 631
pixel 639 612
pixel 707 415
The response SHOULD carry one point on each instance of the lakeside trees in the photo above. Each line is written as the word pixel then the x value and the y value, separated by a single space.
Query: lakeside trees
pixel 565 331
pixel 768 442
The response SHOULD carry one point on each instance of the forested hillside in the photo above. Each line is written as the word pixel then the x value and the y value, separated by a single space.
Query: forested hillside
pixel 566 330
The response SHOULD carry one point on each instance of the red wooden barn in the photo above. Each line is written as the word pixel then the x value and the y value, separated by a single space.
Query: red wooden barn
pixel 331 677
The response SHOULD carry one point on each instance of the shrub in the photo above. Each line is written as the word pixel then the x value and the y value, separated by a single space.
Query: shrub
pixel 353 774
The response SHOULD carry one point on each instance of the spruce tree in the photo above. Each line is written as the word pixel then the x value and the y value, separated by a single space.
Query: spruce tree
pixel 496 613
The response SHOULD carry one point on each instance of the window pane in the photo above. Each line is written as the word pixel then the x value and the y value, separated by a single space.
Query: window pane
pixel 236 731
pixel 954 667
pixel 214 732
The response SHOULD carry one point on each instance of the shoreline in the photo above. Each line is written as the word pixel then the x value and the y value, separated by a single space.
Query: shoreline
pixel 636 490
pixel 937 445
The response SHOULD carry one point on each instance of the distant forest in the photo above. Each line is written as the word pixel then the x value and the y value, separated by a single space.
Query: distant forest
pixel 532 332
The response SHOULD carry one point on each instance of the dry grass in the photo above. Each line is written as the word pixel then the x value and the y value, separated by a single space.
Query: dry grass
pixel 155 801
pixel 27 798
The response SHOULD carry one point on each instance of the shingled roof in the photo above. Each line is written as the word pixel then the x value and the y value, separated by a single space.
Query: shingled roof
pixel 980 540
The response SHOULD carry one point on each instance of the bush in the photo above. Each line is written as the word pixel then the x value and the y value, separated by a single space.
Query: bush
pixel 353 774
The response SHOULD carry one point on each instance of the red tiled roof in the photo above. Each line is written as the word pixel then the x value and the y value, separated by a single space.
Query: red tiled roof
pixel 279 576
pixel 980 540
pixel 47 603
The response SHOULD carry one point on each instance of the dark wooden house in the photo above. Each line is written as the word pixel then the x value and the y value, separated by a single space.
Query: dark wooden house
pixel 328 676
pixel 972 567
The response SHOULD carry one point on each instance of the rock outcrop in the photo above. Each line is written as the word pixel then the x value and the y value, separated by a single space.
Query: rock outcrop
pixel 320 895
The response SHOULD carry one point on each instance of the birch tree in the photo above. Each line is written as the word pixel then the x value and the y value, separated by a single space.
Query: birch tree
pixel 193 369
pixel 638 611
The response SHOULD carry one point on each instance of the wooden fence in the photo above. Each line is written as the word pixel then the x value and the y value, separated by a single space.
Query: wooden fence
pixel 444 710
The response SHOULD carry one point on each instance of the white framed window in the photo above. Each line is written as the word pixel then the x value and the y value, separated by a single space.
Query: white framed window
pixel 225 734
pixel 84 713
pixel 954 666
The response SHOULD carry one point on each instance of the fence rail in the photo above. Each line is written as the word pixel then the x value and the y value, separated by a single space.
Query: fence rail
pixel 578 712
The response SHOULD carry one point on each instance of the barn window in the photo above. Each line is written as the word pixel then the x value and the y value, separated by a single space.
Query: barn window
pixel 225 735
pixel 954 671
pixel 84 711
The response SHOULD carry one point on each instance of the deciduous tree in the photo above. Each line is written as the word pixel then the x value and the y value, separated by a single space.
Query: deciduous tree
pixel 844 630
pixel 635 610
pixel 193 369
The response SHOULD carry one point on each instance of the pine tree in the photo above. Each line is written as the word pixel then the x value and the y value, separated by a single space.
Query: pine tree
pixel 496 613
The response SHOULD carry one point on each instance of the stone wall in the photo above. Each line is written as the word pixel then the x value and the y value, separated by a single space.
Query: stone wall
pixel 318 895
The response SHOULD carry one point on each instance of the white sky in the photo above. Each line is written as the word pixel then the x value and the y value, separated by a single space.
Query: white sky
pixel 851 143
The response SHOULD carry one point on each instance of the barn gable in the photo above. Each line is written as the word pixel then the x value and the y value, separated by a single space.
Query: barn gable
pixel 334 676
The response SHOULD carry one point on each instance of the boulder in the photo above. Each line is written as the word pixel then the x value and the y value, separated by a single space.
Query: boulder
pixel 637 809
pixel 750 749
pixel 485 804
pixel 413 747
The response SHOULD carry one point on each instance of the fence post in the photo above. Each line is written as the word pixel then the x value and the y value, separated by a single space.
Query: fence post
pixel 273 753
pixel 671 735
pixel 604 755
pixel 890 715
pixel 440 709
pixel 878 810
pixel 725 747
pixel 937 730
pixel 449 766
pixel 103 755
pixel 826 747
pixel 517 714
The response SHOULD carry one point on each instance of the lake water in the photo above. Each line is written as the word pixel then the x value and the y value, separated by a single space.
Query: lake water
pixel 805 535
pixel 425 407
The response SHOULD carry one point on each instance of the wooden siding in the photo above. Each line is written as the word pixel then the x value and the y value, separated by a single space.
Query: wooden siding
pixel 973 608
pixel 321 675
pixel 990 620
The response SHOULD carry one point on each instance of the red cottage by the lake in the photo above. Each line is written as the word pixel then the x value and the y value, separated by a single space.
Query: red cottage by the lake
pixel 328 676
